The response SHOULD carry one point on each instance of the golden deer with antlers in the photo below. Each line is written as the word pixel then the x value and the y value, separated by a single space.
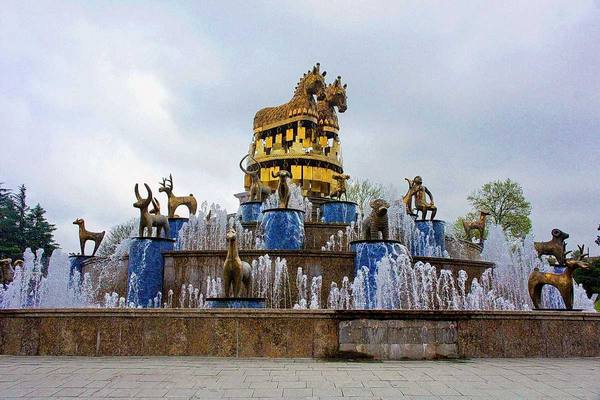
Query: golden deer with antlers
pixel 563 281
pixel 175 201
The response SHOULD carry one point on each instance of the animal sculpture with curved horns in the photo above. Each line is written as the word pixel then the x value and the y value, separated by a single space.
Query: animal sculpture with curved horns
pixel 301 105
pixel 258 190
pixel 148 220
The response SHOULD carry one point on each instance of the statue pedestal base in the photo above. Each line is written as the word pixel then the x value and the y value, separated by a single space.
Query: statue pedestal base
pixel 145 270
pixel 339 212
pixel 368 254
pixel 175 225
pixel 283 229
pixel 434 238
pixel 77 264
pixel 235 302
pixel 250 211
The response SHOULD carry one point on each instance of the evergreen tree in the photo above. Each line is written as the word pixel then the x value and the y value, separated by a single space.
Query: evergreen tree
pixel 39 234
pixel 8 225
pixel 21 208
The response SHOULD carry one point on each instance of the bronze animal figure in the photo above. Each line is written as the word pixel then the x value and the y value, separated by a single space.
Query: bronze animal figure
pixel 563 282
pixel 283 189
pixel 85 235
pixel 333 95
pixel 419 192
pixel 478 225
pixel 555 247
pixel 377 221
pixel 341 189
pixel 175 201
pixel 301 105
pixel 236 273
pixel 7 272
pixel 147 220
pixel 258 190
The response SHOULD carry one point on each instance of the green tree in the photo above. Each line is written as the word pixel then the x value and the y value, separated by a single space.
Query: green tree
pixel 8 225
pixel 505 202
pixel 39 234
pixel 363 191
pixel 21 208
pixel 590 279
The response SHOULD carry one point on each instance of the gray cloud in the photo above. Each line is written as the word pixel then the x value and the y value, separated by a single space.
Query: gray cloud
pixel 96 97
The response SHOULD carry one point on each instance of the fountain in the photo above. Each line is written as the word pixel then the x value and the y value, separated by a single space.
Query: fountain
pixel 392 286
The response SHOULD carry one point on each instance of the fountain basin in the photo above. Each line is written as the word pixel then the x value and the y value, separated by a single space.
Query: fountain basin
pixel 250 211
pixel 339 212
pixel 283 229
pixel 145 269
pixel 235 302
pixel 434 232
pixel 175 225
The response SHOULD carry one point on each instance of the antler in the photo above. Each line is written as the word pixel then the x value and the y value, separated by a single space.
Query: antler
pixel 170 180
pixel 582 253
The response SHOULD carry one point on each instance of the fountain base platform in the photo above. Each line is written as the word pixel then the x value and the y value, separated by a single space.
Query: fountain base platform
pixel 386 335
pixel 235 302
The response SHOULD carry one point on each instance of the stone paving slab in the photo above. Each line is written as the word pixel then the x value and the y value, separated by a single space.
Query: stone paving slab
pixel 212 378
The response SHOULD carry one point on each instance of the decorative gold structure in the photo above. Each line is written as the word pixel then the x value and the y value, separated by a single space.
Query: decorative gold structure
pixel 236 273
pixel 478 225
pixel 85 235
pixel 283 189
pixel 377 221
pixel 147 220
pixel 341 186
pixel 290 137
pixel 563 282
pixel 258 190
pixel 419 192
pixel 175 201
pixel 555 247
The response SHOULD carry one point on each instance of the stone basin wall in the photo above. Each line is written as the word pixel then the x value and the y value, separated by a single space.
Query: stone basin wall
pixel 300 333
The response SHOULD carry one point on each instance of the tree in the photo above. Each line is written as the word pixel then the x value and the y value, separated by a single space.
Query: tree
pixel 21 208
pixel 590 279
pixel 505 202
pixel 115 236
pixel 8 225
pixel 39 234
pixel 363 191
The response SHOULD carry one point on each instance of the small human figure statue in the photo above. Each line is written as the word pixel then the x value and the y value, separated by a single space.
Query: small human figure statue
pixel 419 192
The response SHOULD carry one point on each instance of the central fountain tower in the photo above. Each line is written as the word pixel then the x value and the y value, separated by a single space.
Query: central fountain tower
pixel 301 136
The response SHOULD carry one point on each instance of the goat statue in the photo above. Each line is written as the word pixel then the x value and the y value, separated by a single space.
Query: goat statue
pixel 258 190
pixel 190 202
pixel 148 220
pixel 555 247
pixel 236 273
pixel 478 225
pixel 563 281
pixel 85 235
pixel 283 189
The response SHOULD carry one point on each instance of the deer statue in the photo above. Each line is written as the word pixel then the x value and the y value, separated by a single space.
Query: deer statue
pixel 147 220
pixel 555 247
pixel 478 225
pixel 85 235
pixel 563 281
pixel 283 189
pixel 175 201
pixel 258 190
pixel 341 189
pixel 235 271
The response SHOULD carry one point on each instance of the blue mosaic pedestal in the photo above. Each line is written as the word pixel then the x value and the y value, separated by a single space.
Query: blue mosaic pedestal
pixel 250 211
pixel 339 212
pixel 434 232
pixel 77 263
pixel 235 302
pixel 145 269
pixel 368 253
pixel 175 225
pixel 283 229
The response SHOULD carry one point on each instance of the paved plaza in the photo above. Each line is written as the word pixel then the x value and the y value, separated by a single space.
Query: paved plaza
pixel 210 378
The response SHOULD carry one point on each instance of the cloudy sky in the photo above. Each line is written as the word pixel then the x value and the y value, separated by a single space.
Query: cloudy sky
pixel 97 96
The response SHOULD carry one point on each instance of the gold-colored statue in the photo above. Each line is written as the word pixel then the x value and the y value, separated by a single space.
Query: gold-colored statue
pixel 419 192
pixel 478 225
pixel 283 189
pixel 258 190
pixel 175 201
pixel 290 137
pixel 377 221
pixel 236 273
pixel 7 272
pixel 563 282
pixel 555 247
pixel 341 188
pixel 85 235
pixel 148 220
